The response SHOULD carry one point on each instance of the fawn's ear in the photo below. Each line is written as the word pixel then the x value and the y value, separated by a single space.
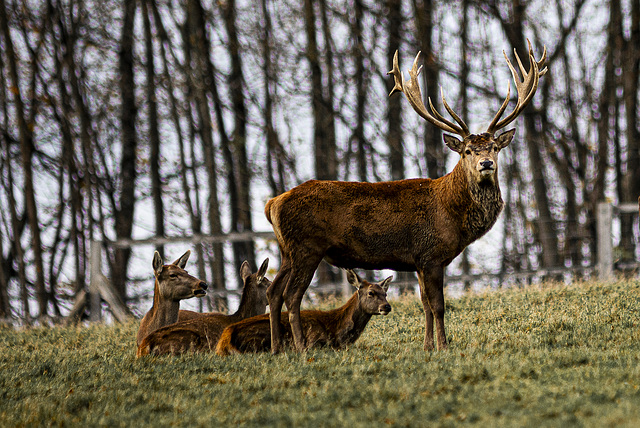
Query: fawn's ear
pixel 263 269
pixel 182 261
pixel 385 284
pixel 157 263
pixel 354 279
pixel 245 271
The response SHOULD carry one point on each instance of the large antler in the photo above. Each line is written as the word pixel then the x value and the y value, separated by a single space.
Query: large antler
pixel 412 91
pixel 526 88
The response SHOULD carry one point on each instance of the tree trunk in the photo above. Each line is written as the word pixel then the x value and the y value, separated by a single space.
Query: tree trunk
pixel 25 127
pixel 124 213
pixel 154 134
pixel 434 147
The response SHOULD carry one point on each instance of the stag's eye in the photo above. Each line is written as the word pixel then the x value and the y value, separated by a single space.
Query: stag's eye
pixel 371 294
pixel 468 151
pixel 495 148
pixel 173 275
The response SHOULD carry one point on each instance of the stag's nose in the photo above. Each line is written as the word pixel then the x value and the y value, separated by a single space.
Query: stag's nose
pixel 203 285
pixel 386 309
pixel 486 164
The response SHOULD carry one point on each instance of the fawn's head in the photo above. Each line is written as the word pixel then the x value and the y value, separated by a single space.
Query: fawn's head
pixel 173 282
pixel 372 296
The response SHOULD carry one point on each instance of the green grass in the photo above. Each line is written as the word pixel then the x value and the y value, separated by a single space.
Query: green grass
pixel 550 356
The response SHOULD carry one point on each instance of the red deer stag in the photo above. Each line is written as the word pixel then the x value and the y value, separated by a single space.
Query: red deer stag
pixel 337 328
pixel 172 284
pixel 417 225
pixel 201 334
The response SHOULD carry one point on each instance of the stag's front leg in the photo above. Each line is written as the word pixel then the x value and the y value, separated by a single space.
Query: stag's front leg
pixel 432 295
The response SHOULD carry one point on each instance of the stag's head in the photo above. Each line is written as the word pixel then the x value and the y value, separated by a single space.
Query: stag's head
pixel 372 296
pixel 479 152
pixel 173 282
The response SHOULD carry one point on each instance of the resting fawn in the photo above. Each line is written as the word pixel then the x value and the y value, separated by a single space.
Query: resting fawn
pixel 336 328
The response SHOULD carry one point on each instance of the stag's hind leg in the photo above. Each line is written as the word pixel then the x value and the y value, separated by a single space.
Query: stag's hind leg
pixel 432 295
pixel 275 294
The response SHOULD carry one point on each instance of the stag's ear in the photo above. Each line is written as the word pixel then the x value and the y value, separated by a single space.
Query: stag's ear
pixel 385 284
pixel 354 279
pixel 182 261
pixel 263 269
pixel 245 271
pixel 453 143
pixel 505 138
pixel 157 263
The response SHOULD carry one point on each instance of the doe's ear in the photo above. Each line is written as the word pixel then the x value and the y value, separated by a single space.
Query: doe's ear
pixel 505 138
pixel 245 271
pixel 157 263
pixel 454 143
pixel 385 284
pixel 263 269
pixel 354 279
pixel 182 261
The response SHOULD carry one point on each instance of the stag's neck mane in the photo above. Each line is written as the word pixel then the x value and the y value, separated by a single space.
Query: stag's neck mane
pixel 478 204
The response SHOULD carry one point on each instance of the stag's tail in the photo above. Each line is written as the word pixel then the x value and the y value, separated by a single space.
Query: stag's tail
pixel 267 210
pixel 225 346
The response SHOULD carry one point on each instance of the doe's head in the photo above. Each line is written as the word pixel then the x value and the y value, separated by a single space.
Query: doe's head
pixel 372 296
pixel 174 282
pixel 256 284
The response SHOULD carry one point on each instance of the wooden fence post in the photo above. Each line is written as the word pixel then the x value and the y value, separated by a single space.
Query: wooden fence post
pixel 605 246
pixel 95 304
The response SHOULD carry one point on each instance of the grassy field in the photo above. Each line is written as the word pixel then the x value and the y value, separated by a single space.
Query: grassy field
pixel 550 356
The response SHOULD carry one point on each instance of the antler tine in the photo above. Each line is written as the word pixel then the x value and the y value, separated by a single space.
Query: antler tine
pixel 413 93
pixel 398 78
pixel 453 114
pixel 526 88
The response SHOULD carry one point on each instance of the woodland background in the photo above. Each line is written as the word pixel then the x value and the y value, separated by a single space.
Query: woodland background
pixel 134 118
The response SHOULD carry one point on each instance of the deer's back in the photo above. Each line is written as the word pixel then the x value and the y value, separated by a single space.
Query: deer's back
pixel 391 225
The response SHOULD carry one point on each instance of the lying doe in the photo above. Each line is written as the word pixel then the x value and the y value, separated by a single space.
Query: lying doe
pixel 172 284
pixel 417 225
pixel 201 333
pixel 337 328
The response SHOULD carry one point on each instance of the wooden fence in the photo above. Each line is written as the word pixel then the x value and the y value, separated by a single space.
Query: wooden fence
pixel 101 289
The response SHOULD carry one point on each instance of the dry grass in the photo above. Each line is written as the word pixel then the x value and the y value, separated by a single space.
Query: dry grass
pixel 550 356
